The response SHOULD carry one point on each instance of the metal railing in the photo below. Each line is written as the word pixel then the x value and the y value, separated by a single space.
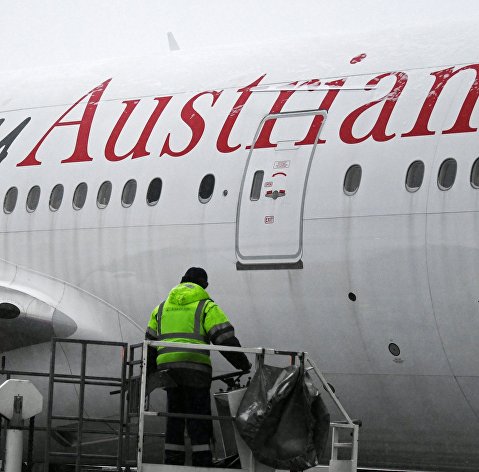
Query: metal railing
pixel 259 352
pixel 134 404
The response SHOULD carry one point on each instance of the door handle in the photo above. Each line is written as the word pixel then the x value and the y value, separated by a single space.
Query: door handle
pixel 274 194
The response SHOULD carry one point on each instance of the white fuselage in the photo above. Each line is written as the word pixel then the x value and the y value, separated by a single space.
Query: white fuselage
pixel 409 259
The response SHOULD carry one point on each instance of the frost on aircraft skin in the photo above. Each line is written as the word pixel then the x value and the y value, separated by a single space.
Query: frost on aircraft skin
pixel 378 130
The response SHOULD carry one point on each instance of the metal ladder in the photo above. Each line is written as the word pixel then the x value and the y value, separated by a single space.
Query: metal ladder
pixel 343 465
pixel 347 425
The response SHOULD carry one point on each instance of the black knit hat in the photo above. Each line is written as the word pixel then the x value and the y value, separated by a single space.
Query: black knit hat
pixel 196 275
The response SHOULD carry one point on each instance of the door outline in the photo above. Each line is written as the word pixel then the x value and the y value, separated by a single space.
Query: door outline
pixel 252 265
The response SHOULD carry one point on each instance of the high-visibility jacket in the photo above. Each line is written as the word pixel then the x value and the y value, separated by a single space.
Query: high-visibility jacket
pixel 188 315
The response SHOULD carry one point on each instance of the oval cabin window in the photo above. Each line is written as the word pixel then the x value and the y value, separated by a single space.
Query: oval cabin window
pixel 154 191
pixel 475 174
pixel 129 193
pixel 104 194
pixel 10 201
pixel 447 174
pixel 415 176
pixel 207 187
pixel 79 197
pixel 56 197
pixel 33 198
pixel 352 179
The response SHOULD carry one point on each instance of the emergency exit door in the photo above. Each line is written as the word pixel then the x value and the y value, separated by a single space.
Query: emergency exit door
pixel 269 220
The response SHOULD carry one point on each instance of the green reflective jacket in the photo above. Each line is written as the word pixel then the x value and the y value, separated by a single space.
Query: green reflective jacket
pixel 188 315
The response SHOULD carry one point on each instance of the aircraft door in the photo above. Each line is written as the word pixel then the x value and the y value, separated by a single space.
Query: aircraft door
pixel 269 220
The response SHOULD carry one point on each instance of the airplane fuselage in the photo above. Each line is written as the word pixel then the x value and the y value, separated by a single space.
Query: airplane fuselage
pixel 377 282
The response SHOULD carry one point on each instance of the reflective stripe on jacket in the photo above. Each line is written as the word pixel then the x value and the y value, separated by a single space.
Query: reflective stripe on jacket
pixel 188 315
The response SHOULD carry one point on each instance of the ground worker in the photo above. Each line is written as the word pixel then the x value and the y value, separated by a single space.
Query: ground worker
pixel 188 315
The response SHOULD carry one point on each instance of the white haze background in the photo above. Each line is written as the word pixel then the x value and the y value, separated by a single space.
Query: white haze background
pixel 37 33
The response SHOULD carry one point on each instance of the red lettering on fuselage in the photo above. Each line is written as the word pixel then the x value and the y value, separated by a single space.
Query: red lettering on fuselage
pixel 80 154
pixel 222 142
pixel 110 154
pixel 263 140
pixel 378 131
pixel 139 150
pixel 195 122
pixel 325 105
pixel 378 128
pixel 461 125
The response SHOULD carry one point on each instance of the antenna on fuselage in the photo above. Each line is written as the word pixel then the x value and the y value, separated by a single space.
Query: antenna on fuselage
pixel 172 44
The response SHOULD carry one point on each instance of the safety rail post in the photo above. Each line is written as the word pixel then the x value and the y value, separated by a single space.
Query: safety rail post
pixel 46 461
pixel 129 400
pixel 355 452
pixel 141 413
pixel 124 352
pixel 81 407
pixel 259 353
pixel 31 432
pixel 3 425
pixel 3 428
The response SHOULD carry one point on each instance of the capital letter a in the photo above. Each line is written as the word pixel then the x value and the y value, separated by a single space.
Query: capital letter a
pixel 80 154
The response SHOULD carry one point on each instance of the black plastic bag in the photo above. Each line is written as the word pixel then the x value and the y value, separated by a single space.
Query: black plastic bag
pixel 283 419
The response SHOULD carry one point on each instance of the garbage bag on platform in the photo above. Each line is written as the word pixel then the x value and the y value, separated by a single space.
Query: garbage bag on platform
pixel 283 419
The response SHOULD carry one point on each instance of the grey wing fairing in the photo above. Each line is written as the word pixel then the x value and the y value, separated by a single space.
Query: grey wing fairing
pixel 26 321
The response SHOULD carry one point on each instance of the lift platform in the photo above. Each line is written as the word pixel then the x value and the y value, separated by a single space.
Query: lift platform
pixel 346 427
pixel 129 435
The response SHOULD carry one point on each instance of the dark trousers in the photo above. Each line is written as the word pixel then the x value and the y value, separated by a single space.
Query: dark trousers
pixel 188 400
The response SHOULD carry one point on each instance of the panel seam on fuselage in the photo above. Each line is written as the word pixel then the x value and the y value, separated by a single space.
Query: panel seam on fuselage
pixel 316 218
pixel 436 158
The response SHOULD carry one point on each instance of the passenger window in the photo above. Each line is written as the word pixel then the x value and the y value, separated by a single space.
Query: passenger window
pixel 79 197
pixel 154 191
pixel 10 201
pixel 475 174
pixel 447 174
pixel 256 186
pixel 207 186
pixel 56 197
pixel 129 193
pixel 104 194
pixel 415 176
pixel 33 198
pixel 352 180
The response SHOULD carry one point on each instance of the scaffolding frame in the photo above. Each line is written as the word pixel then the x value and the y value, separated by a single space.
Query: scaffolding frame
pixel 83 380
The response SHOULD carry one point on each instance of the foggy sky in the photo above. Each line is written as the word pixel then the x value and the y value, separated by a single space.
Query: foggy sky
pixel 45 32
